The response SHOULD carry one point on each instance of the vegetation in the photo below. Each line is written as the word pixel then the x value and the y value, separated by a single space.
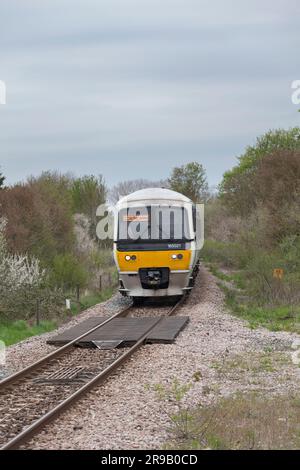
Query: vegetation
pixel 2 179
pixel 91 299
pixel 242 422
pixel 127 187
pixel 253 228
pixel 39 217
pixel 68 273
pixel 49 248
pixel 267 158
pixel 13 332
pixel 180 418
pixel 22 281
pixel 190 180
pixel 87 193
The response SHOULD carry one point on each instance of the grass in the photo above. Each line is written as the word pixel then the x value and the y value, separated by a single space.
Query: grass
pixel 275 318
pixel 244 421
pixel 18 330
pixel 250 420
pixel 279 318
pixel 219 274
pixel 13 332
pixel 252 363
pixel 91 299
pixel 235 277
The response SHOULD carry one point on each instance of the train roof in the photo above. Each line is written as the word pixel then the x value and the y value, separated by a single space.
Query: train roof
pixel 160 194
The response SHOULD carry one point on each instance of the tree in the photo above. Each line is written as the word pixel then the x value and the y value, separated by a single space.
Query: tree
pixel 236 189
pixel 127 187
pixel 39 218
pixel 88 193
pixel 21 278
pixel 276 186
pixel 68 272
pixel 2 179
pixel 190 180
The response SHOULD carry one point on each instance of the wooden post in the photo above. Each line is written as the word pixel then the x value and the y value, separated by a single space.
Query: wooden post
pixel 37 312
pixel 100 282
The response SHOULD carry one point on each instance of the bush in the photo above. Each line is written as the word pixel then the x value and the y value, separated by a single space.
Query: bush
pixel 39 217
pixel 23 303
pixel 68 272
pixel 87 194
pixel 102 259
pixel 231 255
pixel 219 223
pixel 255 223
pixel 268 168
pixel 22 282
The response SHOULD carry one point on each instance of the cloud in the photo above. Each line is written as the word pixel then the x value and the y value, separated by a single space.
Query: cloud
pixel 129 88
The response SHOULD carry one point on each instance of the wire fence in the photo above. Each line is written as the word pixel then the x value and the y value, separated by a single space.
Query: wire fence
pixel 102 282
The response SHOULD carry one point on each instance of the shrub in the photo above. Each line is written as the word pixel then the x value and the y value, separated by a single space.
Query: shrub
pixel 68 272
pixel 263 288
pixel 39 217
pixel 87 194
pixel 232 255
pixel 22 282
pixel 256 175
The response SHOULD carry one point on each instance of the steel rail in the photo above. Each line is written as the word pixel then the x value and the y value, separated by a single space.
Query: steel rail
pixel 35 365
pixel 32 429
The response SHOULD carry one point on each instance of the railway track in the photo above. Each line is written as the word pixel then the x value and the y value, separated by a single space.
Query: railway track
pixel 37 394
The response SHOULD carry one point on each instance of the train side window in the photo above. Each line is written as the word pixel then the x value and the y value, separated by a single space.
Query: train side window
pixel 194 218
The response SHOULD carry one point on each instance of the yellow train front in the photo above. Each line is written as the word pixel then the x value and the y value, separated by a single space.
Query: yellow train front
pixel 155 247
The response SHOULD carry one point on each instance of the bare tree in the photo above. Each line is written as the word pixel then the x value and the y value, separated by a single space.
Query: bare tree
pixel 127 187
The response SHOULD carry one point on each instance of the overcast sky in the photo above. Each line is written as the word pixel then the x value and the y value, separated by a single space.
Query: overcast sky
pixel 131 88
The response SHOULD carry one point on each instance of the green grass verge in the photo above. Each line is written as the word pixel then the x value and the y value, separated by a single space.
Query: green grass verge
pixel 245 421
pixel 278 318
pixel 91 300
pixel 286 318
pixel 13 332
pixel 18 330
pixel 237 277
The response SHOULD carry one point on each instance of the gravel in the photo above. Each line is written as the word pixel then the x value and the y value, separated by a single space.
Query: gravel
pixel 32 349
pixel 220 350
pixel 32 398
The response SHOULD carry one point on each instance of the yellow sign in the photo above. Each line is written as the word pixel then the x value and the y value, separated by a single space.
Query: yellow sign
pixel 278 273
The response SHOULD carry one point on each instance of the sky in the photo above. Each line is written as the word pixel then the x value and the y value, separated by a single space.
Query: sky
pixel 131 88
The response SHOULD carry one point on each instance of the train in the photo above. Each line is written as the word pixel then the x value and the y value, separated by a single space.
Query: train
pixel 155 244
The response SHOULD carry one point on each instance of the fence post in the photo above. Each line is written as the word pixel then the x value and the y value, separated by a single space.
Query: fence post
pixel 100 282
pixel 37 312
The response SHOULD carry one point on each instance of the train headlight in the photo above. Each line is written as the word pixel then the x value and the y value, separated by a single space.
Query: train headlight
pixel 180 256
pixel 130 258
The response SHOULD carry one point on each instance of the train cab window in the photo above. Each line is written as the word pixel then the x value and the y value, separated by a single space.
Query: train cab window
pixel 152 223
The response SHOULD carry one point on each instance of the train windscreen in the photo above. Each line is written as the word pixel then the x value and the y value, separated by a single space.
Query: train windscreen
pixel 155 223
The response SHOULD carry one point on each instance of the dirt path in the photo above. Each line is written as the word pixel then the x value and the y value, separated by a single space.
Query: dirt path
pixel 224 354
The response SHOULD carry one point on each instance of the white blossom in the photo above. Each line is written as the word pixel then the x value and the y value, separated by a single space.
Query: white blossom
pixel 17 271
